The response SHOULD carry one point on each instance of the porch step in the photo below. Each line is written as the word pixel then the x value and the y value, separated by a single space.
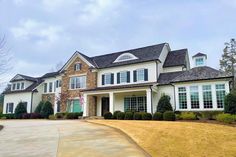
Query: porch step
pixel 93 117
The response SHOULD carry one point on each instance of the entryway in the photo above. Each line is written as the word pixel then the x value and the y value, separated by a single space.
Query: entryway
pixel 105 105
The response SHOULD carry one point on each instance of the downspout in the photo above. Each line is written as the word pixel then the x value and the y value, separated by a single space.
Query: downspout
pixel 156 71
pixel 151 100
pixel 174 96
pixel 31 105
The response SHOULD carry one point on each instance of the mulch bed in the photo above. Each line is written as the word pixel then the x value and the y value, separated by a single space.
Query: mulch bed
pixel 208 121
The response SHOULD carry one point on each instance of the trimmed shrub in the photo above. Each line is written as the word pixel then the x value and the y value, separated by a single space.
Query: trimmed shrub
pixel 3 118
pixel 177 112
pixel 230 103
pixel 157 116
pixel 178 117
pixel 39 107
pixel 52 117
pixel 169 116
pixel 35 116
pixel 121 115
pixel 26 115
pixel 146 116
pixel 61 115
pixel 225 118
pixel 9 116
pixel 164 104
pixel 20 110
pixel 209 115
pixel 188 116
pixel 46 109
pixel 107 115
pixel 129 116
pixel 114 116
pixel 137 116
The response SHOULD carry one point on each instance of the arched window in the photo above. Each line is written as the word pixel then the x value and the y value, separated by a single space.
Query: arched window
pixel 125 57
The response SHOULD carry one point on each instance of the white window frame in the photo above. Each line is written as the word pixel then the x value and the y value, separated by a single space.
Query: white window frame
pixel 130 57
pixel 50 83
pixel 138 72
pixel 125 78
pixel 9 107
pixel 197 61
pixel 107 78
pixel 78 78
pixel 77 66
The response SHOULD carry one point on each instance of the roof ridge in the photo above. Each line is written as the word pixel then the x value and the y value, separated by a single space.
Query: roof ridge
pixel 128 50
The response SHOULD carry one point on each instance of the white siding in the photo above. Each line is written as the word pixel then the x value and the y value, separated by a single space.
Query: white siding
pixel 162 58
pixel 151 66
pixel 172 69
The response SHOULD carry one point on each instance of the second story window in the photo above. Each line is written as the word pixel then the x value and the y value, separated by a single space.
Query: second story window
pixel 107 79
pixel 18 86
pixel 140 75
pixel 77 66
pixel 14 86
pixel 45 87
pixel 123 77
pixel 78 82
pixel 50 87
pixel 22 85
pixel 199 62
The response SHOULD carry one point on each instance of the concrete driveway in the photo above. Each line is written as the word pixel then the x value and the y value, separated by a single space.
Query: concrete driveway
pixel 44 138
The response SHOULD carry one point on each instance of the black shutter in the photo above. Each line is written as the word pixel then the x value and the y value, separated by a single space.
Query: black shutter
pixel 118 78
pixel 135 76
pixel 80 66
pixel 145 74
pixel 128 76
pixel 75 67
pixel 7 107
pixel 103 79
pixel 112 78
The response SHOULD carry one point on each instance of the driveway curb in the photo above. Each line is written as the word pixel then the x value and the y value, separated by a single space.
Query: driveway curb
pixel 130 139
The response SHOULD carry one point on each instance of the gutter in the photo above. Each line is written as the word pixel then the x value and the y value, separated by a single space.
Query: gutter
pixel 31 105
pixel 174 95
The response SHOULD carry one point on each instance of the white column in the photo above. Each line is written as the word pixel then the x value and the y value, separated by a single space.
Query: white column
pixel 85 106
pixel 214 101
pixel 111 102
pixel 188 97
pixel 201 97
pixel 149 100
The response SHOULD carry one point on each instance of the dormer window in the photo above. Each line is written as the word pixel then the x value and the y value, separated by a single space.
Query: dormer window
pixel 199 62
pixel 77 66
pixel 199 59
pixel 18 86
pixel 125 57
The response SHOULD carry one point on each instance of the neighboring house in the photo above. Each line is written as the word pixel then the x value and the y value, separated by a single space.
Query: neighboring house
pixel 128 80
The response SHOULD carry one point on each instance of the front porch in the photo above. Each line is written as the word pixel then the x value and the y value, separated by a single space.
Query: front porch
pixel 96 103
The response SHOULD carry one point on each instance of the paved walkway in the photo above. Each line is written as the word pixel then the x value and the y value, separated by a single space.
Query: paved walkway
pixel 42 138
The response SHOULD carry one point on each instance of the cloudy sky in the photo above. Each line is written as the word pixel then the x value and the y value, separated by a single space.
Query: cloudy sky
pixel 43 33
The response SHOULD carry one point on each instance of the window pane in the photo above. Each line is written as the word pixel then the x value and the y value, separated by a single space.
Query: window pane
pixel 45 87
pixel 137 104
pixel 78 82
pixel 182 98
pixel 123 77
pixel 194 95
pixel 18 86
pixel 140 75
pixel 220 95
pixel 199 61
pixel 107 78
pixel 22 85
pixel 50 87
pixel 207 96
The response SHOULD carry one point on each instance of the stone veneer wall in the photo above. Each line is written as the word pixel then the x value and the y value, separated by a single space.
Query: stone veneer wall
pixel 91 82
pixel 49 97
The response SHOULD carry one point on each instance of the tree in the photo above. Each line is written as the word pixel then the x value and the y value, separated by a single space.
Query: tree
pixel 228 61
pixel 20 110
pixel 46 110
pixel 39 107
pixel 164 104
pixel 230 102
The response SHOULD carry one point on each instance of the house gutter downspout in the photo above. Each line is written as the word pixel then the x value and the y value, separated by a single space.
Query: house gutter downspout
pixel 31 105
pixel 151 100
pixel 174 95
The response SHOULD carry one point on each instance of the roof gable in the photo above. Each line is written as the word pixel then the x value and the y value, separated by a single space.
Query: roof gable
pixel 20 77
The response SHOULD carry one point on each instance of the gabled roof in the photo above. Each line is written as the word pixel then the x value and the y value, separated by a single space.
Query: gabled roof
pixel 200 55
pixel 51 74
pixel 195 74
pixel 176 58
pixel 20 77
pixel 143 54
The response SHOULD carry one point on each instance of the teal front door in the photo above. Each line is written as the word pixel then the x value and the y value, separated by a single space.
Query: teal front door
pixel 76 106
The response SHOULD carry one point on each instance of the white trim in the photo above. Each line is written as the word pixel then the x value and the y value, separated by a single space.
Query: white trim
pixel 132 57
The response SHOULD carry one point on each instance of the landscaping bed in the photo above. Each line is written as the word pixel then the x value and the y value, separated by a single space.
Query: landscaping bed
pixel 179 139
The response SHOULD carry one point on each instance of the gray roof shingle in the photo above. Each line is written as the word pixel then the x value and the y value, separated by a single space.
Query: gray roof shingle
pixel 200 54
pixel 51 74
pixel 176 58
pixel 166 78
pixel 143 54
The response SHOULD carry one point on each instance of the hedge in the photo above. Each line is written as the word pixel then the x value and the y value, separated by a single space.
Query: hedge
pixel 225 118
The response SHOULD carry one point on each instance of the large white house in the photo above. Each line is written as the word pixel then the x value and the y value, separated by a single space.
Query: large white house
pixel 128 80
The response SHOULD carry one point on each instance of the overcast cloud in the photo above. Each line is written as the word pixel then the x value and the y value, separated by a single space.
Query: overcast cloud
pixel 41 33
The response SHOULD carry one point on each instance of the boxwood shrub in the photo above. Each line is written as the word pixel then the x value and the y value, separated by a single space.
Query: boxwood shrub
pixel 225 118
pixel 20 110
pixel 73 115
pixel 146 116
pixel 158 116
pixel 209 115
pixel 61 115
pixel 129 116
pixel 114 116
pixel 188 116
pixel 121 115
pixel 169 116
pixel 137 116
pixel 107 115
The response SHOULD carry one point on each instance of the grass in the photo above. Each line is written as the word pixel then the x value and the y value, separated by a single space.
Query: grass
pixel 179 139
